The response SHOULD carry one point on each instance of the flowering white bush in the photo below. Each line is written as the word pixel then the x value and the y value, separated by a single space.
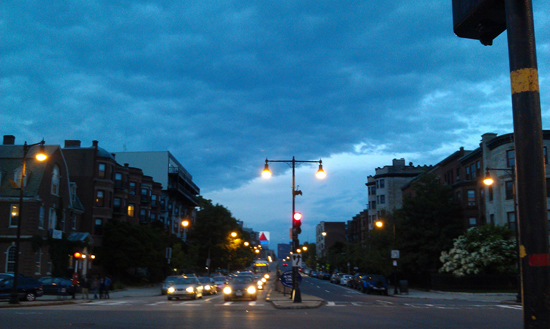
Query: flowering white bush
pixel 484 249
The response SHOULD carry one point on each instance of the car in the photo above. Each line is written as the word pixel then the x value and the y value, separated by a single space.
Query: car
pixel 166 283
pixel 209 285
pixel 357 280
pixel 220 282
pixel 375 283
pixel 57 286
pixel 240 287
pixel 27 288
pixel 344 280
pixel 185 287
pixel 313 274
pixel 335 278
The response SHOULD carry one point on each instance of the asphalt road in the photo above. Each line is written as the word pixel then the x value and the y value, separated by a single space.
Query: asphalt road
pixel 345 308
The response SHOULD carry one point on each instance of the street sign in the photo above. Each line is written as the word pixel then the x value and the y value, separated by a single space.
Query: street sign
pixel 395 254
pixel 286 279
pixel 296 260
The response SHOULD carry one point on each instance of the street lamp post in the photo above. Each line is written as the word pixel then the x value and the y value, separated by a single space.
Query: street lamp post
pixel 266 173
pixel 380 224
pixel 488 180
pixel 40 156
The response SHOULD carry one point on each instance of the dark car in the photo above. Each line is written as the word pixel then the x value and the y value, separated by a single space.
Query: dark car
pixel 357 280
pixel 27 288
pixel 56 286
pixel 240 287
pixel 209 285
pixel 375 283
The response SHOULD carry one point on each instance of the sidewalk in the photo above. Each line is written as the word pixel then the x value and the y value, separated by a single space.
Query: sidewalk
pixel 50 300
pixel 283 301
pixel 505 298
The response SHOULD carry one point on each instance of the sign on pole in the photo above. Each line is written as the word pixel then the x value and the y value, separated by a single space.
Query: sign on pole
pixel 296 260
pixel 395 254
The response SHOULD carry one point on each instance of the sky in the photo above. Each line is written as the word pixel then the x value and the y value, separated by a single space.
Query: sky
pixel 224 85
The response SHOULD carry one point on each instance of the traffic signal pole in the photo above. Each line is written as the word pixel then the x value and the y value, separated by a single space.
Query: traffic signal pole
pixel 530 182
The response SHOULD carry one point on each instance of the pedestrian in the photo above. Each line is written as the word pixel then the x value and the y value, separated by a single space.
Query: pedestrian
pixel 95 286
pixel 107 286
pixel 101 287
pixel 85 285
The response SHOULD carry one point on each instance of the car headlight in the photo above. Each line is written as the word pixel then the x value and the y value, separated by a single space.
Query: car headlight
pixel 207 287
pixel 263 280
pixel 266 276
pixel 226 290
pixel 251 290
pixel 171 290
pixel 260 283
pixel 190 289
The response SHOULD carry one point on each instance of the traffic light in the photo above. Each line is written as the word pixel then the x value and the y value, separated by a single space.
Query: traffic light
pixel 297 222
pixel 77 255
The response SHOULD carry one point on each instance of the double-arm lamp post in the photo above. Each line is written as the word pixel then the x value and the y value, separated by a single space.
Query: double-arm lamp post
pixel 40 156
pixel 266 173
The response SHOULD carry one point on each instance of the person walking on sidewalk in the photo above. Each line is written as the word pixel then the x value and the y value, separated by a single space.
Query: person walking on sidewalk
pixel 95 286
pixel 107 284
pixel 85 285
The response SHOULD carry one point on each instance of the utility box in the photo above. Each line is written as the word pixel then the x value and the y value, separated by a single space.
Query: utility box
pixel 482 20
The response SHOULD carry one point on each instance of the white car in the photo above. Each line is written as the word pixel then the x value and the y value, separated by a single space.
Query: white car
pixel 345 279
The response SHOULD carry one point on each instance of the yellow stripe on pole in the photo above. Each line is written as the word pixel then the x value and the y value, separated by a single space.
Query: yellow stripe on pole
pixel 524 80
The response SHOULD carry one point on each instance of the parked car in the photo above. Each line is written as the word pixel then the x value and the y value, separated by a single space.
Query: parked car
pixel 375 283
pixel 27 288
pixel 344 280
pixel 167 282
pixel 324 275
pixel 357 280
pixel 313 274
pixel 185 287
pixel 240 287
pixel 57 286
pixel 209 285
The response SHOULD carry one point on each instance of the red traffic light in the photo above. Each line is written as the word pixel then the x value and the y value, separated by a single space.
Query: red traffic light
pixel 297 216
pixel 77 255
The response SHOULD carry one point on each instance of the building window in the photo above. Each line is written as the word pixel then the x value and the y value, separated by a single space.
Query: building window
pixel 55 180
pixel 73 218
pixel 17 177
pixel 99 198
pixel 38 261
pixel 98 226
pixel 41 218
pixel 382 183
pixel 458 195
pixel 14 214
pixel 509 190
pixel 512 221
pixel 117 204
pixel 511 158
pixel 545 155
pixel 52 220
pixel 101 170
pixel 132 188
pixel 473 170
pixel 154 199
pixel 473 221
pixel 10 262
pixel 471 197
pixel 458 174
pixel 382 199
pixel 490 193
pixel 492 219
pixel 118 180
pixel 131 210
pixel 143 215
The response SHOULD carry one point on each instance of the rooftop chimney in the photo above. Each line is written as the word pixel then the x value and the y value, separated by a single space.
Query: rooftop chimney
pixel 9 140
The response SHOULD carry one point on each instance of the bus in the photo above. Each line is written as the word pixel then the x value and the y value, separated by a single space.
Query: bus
pixel 260 266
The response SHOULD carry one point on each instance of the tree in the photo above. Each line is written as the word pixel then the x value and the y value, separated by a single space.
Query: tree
pixel 487 249
pixel 427 224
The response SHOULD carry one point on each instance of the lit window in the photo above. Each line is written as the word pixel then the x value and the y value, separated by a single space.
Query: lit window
pixel 100 197
pixel 131 210
pixel 14 214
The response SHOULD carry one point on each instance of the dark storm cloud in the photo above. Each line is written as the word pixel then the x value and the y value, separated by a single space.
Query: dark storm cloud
pixel 225 84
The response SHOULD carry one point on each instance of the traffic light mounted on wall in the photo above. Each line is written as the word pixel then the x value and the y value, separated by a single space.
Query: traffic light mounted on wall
pixel 297 222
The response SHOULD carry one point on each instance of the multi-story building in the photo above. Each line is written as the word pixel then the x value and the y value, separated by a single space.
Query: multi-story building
pixel 327 234
pixel 384 188
pixel 50 207
pixel 179 195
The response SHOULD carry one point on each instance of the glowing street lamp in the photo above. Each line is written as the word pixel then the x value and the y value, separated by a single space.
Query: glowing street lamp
pixel 40 156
